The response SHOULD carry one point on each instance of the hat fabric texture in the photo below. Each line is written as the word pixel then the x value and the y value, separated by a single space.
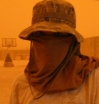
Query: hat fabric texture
pixel 53 16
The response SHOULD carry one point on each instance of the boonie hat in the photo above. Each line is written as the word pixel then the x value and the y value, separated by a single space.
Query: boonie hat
pixel 53 16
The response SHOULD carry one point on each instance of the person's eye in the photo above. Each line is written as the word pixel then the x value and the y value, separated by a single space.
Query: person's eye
pixel 67 35
pixel 37 34
pixel 58 34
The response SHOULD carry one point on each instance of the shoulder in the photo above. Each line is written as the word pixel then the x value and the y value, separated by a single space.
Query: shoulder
pixel 20 81
pixel 97 75
pixel 94 73
pixel 21 77
pixel 95 86
pixel 20 92
pixel 97 71
pixel 93 78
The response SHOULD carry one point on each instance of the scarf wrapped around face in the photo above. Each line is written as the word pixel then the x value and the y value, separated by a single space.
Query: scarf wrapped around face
pixel 56 64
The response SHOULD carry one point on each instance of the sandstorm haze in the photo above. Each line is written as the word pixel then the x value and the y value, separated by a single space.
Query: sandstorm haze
pixel 15 15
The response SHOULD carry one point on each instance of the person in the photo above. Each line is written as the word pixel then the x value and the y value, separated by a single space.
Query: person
pixel 57 72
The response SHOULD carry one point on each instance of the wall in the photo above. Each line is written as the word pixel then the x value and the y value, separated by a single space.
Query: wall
pixel 91 46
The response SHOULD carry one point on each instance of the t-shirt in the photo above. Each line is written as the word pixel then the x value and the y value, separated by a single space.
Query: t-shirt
pixel 87 93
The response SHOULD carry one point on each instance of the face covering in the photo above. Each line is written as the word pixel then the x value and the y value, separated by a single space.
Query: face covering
pixel 56 64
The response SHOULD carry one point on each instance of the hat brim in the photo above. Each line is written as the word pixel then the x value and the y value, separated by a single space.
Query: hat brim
pixel 52 27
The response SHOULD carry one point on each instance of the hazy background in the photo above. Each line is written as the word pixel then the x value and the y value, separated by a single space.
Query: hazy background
pixel 15 15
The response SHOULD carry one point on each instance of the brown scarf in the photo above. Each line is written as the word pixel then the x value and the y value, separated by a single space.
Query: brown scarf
pixel 57 65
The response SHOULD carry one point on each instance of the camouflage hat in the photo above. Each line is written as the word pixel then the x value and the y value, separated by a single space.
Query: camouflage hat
pixel 53 16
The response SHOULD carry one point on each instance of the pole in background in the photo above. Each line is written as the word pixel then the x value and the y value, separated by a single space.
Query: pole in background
pixel 8 42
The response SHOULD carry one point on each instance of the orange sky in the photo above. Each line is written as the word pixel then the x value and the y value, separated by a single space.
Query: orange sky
pixel 16 15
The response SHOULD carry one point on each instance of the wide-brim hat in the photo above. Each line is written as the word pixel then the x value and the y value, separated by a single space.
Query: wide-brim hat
pixel 53 16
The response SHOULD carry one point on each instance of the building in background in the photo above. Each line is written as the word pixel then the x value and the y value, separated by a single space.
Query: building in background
pixel 89 47
pixel 9 46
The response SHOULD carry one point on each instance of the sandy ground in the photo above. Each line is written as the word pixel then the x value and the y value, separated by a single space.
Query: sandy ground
pixel 7 75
